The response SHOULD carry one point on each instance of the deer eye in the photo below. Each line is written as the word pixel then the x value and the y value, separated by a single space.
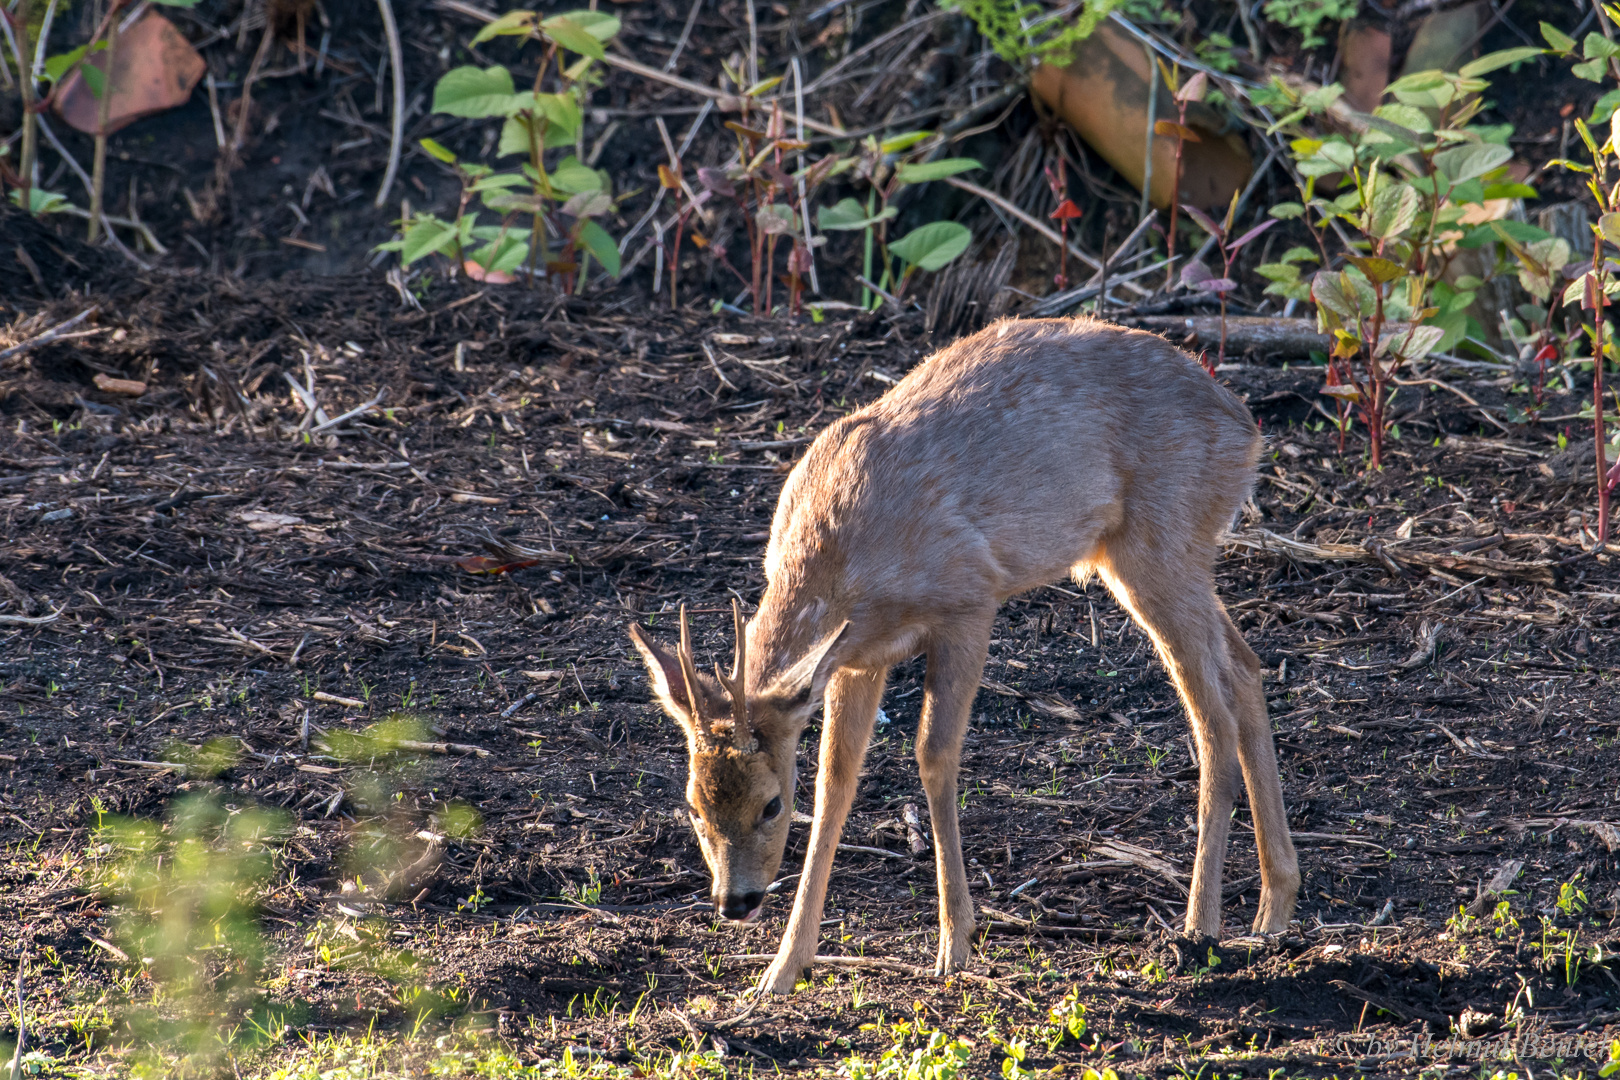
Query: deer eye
pixel 772 808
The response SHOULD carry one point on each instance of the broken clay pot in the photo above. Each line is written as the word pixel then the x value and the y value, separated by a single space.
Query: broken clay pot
pixel 157 70
pixel 1364 67
pixel 1103 95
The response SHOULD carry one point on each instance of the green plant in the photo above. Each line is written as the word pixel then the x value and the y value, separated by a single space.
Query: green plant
pixel 535 121
pixel 938 1058
pixel 186 893
pixel 1307 16
pixel 1067 1021
pixel 1595 289
pixel 55 71
pixel 1026 34
pixel 1198 276
pixel 928 247
pixel 1409 177
pixel 1571 897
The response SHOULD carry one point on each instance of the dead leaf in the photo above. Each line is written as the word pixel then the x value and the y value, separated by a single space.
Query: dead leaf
pixel 266 521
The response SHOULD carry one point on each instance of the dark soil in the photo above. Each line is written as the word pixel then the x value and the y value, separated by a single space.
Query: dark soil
pixel 207 571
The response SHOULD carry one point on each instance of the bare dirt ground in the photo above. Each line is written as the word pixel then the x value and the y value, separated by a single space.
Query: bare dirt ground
pixel 202 601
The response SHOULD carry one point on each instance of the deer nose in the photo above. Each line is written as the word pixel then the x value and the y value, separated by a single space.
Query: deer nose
pixel 738 907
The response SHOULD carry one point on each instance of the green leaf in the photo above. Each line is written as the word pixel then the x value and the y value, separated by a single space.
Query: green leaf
pixel 41 201
pixel 1591 70
pixel 1394 208
pixel 58 66
pixel 573 176
pixel 1399 132
pixel 515 137
pixel 1287 211
pixel 894 144
pixel 922 172
pixel 1560 41
pixel 777 219
pixel 1510 191
pixel 588 204
pixel 1412 344
pixel 1491 61
pixel 847 215
pixel 1453 328
pixel 1470 160
pixel 1415 120
pixel 503 254
pixel 438 150
pixel 520 23
pixel 1278 271
pixel 596 240
pixel 1336 293
pixel 599 24
pixel 1605 108
pixel 1598 47
pixel 94 78
pixel 1520 231
pixel 1609 226
pixel 1379 270
pixel 179 3
pixel 474 92
pixel 933 245
pixel 426 235
pixel 1469 191
pixel 569 34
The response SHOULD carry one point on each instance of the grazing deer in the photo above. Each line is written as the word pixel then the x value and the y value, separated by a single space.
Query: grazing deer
pixel 1031 450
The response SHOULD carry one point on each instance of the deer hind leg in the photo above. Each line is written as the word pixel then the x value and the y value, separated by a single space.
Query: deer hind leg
pixel 1172 596
pixel 1279 867
pixel 955 666
pixel 851 708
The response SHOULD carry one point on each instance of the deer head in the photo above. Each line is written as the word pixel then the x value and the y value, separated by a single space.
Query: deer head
pixel 742 751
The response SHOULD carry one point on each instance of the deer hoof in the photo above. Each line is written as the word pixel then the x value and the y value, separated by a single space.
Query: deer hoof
pixel 780 978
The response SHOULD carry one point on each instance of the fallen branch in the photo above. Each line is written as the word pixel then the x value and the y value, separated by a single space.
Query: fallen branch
pixel 1381 553
pixel 50 335
pixel 333 699
pixel 1005 923
pixel 352 413
pixel 463 749
pixel 37 620
pixel 1261 334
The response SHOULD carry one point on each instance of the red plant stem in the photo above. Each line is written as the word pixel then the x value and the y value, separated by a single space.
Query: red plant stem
pixel 1175 206
pixel 1063 260
pixel 1377 380
pixel 675 252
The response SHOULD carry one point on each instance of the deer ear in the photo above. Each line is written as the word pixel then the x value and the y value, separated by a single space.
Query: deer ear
pixel 802 684
pixel 668 681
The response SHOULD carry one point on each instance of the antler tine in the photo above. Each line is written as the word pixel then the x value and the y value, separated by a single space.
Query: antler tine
pixel 740 733
pixel 689 670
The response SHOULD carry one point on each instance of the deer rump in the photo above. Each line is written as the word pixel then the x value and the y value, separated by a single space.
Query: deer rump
pixel 1029 451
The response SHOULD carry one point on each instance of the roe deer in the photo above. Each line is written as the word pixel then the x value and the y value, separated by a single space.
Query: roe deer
pixel 1030 450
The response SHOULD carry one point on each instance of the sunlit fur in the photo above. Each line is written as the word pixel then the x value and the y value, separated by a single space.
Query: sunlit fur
pixel 1031 451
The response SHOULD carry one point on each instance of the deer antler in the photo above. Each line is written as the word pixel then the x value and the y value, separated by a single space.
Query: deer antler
pixel 741 734
pixel 689 670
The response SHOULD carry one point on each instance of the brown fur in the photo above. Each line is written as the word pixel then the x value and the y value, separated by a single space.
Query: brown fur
pixel 1029 451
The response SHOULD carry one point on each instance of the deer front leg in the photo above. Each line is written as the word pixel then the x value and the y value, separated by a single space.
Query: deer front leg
pixel 954 670
pixel 851 707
